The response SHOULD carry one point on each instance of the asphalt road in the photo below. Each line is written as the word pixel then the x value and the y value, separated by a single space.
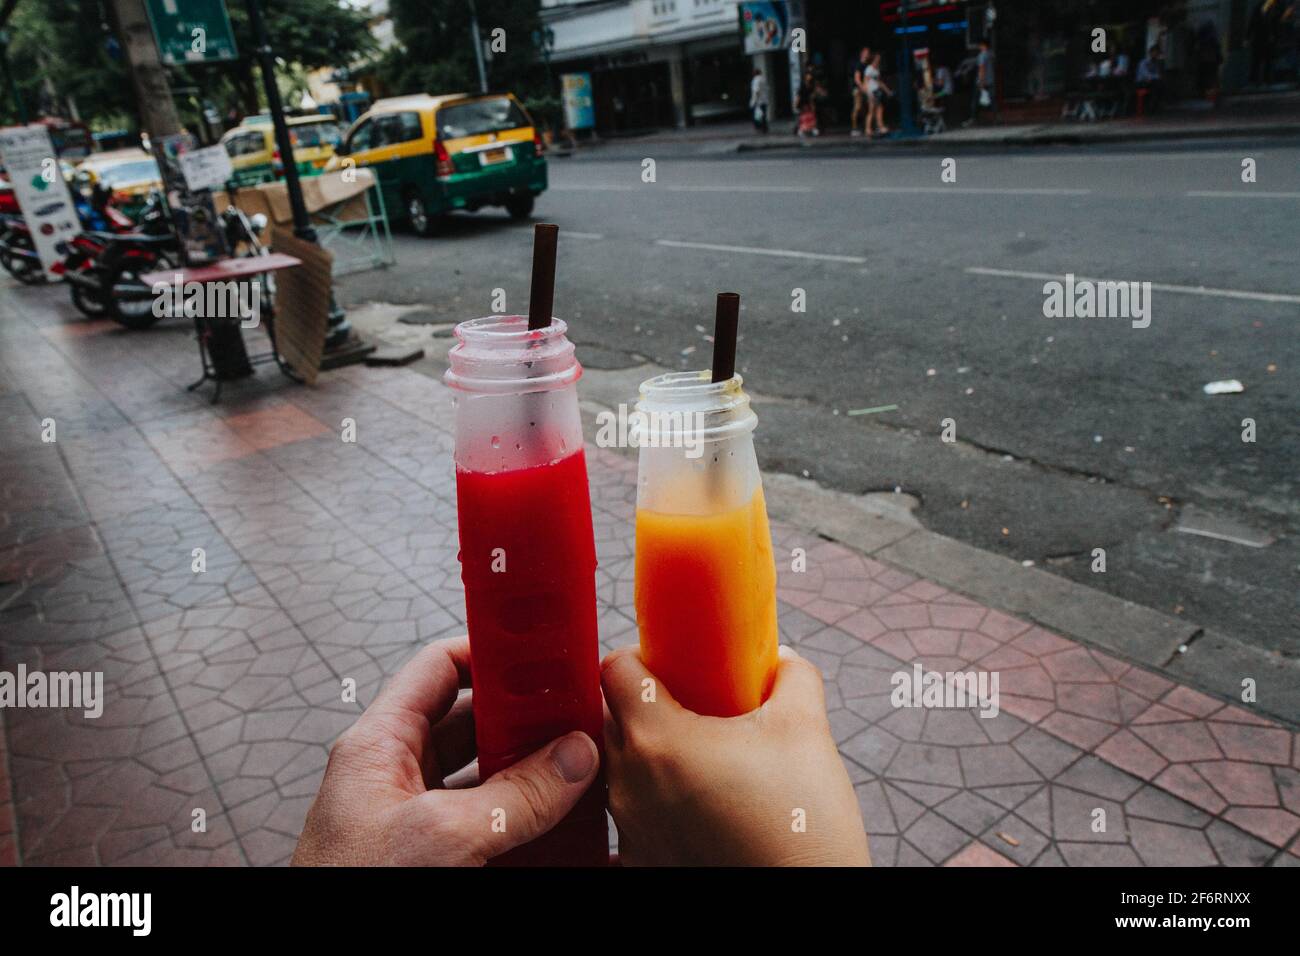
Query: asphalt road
pixel 1071 433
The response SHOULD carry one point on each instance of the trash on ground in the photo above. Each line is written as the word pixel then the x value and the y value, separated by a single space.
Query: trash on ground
pixel 1226 387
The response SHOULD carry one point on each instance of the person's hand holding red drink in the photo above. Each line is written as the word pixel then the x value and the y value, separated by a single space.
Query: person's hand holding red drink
pixel 384 802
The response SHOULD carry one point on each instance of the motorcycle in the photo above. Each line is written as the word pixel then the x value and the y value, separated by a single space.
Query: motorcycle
pixel 93 259
pixel 119 269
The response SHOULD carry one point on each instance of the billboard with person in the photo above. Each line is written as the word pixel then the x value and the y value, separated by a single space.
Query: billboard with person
pixel 764 25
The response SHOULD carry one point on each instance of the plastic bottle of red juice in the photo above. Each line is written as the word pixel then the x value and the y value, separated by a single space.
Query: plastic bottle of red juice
pixel 528 559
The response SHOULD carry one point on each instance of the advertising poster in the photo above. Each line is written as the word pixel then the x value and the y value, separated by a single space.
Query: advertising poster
pixel 764 25
pixel 44 198
pixel 579 107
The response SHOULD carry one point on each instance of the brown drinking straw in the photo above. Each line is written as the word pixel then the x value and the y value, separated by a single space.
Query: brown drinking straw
pixel 725 321
pixel 542 292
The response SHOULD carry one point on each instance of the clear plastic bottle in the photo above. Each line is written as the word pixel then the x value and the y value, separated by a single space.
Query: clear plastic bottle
pixel 528 558
pixel 705 574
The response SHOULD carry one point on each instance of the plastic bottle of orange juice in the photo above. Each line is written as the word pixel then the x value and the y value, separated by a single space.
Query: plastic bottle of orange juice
pixel 705 576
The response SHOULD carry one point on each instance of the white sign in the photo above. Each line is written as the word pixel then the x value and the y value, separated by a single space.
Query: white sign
pixel 207 168
pixel 43 196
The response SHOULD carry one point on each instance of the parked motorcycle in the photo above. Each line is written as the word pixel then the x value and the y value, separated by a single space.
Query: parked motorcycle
pixel 96 260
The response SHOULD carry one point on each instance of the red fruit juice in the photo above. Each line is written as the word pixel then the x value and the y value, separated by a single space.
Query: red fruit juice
pixel 528 560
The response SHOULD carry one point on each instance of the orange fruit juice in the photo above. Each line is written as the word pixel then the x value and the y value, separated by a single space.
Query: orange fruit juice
pixel 706 606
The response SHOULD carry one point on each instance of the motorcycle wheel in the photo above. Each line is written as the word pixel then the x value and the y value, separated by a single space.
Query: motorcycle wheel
pixel 25 269
pixel 87 304
pixel 135 310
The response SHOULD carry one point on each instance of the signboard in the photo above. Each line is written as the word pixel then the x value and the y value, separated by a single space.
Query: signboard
pixel 764 25
pixel 192 31
pixel 193 214
pixel 207 168
pixel 579 107
pixel 42 194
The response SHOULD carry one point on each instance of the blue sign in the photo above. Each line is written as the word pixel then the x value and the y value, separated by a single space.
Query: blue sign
pixel 579 107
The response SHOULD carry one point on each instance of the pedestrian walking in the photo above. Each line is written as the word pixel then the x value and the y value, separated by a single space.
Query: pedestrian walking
pixel 982 91
pixel 876 92
pixel 758 100
pixel 858 87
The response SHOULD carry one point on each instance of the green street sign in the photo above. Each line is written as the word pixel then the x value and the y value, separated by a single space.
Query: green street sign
pixel 192 31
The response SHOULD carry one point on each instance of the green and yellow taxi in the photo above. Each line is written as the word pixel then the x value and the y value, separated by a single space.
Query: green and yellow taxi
pixel 128 174
pixel 255 158
pixel 436 154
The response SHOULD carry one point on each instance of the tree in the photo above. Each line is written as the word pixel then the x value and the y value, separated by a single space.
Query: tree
pixel 436 55
pixel 67 56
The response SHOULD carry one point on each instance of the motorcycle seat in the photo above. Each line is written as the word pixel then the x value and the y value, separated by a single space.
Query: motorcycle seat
pixel 137 238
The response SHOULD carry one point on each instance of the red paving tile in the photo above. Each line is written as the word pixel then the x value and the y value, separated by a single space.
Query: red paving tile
pixel 329 558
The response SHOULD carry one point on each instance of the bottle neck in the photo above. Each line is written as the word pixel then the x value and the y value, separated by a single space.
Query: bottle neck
pixel 500 355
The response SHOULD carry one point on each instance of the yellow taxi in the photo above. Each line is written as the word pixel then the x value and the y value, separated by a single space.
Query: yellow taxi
pixel 255 158
pixel 128 174
pixel 435 154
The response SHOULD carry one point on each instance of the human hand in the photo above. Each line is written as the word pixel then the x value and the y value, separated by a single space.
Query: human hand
pixel 726 791
pixel 383 800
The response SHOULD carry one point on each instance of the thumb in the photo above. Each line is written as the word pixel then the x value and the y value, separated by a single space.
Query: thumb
pixel 530 797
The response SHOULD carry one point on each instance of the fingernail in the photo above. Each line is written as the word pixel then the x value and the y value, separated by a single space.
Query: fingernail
pixel 574 757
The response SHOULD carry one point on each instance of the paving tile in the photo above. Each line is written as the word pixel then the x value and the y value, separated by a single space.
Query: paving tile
pixel 329 561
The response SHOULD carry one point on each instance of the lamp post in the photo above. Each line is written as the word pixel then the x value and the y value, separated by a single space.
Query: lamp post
pixel 340 329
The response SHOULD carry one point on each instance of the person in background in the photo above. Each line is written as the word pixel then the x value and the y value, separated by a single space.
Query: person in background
pixel 1209 57
pixel 758 100
pixel 805 105
pixel 982 90
pixel 861 101
pixel 1150 77
pixel 876 92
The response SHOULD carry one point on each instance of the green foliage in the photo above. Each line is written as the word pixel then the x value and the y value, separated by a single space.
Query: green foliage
pixel 60 56
pixel 436 52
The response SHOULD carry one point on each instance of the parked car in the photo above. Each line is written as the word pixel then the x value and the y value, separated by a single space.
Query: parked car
pixel 436 154
pixel 255 157
pixel 129 175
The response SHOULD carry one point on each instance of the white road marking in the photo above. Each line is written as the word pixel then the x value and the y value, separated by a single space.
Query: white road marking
pixel 1113 157
pixel 570 234
pixel 1238 194
pixel 753 251
pixel 1163 287
pixel 739 189
pixel 974 190
pixel 598 187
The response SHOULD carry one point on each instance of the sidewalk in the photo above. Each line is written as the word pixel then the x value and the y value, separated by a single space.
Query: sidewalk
pixel 1169 127
pixel 328 560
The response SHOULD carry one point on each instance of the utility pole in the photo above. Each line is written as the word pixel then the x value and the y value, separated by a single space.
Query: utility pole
pixel 907 119
pixel 478 47
pixel 340 330
pixel 153 93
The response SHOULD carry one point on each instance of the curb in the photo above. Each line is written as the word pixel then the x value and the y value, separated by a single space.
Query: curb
pixel 1100 136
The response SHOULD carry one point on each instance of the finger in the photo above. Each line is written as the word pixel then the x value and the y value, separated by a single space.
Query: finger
pixel 624 679
pixel 453 738
pixel 798 684
pixel 428 683
pixel 527 799
pixel 414 699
